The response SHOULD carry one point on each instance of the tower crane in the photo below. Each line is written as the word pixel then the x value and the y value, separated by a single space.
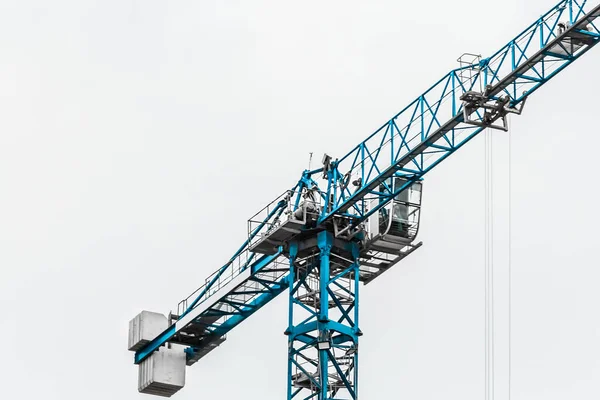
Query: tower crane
pixel 352 219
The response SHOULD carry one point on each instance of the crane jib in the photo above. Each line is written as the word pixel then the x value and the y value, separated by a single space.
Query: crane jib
pixel 525 69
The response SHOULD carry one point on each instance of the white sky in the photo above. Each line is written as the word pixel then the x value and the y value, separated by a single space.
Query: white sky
pixel 136 138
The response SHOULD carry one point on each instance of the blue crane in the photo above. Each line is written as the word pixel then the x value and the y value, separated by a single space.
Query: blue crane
pixel 352 219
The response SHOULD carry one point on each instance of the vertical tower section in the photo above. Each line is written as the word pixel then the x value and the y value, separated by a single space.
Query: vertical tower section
pixel 323 319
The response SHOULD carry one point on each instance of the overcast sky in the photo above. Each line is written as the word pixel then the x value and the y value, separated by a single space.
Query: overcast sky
pixel 137 137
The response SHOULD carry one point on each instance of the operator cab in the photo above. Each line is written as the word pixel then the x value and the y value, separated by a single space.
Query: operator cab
pixel 396 224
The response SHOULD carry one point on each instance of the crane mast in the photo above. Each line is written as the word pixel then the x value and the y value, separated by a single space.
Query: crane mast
pixel 352 219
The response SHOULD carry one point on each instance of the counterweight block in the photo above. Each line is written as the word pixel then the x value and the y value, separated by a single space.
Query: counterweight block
pixel 163 372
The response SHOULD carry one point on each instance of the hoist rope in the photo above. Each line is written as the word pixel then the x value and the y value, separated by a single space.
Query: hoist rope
pixel 509 265
pixel 489 266
pixel 485 260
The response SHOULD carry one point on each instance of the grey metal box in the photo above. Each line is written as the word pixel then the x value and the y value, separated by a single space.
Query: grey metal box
pixel 145 327
pixel 163 373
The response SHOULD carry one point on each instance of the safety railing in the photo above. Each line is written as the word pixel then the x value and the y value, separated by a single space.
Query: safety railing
pixel 234 268
pixel 302 206
pixel 270 217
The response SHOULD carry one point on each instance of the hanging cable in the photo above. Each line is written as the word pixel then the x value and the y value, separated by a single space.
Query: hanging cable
pixel 486 262
pixel 509 265
pixel 489 266
pixel 492 311
pixel 485 258
pixel 492 330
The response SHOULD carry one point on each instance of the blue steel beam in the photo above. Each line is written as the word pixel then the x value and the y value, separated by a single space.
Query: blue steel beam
pixel 432 127
pixel 252 300
pixel 276 212
pixel 321 351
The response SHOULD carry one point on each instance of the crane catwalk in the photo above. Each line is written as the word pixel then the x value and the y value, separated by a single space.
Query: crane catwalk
pixel 352 219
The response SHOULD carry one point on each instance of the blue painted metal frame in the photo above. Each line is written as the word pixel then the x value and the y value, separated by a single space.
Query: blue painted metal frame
pixel 410 144
pixel 253 300
pixel 315 365
pixel 432 127
pixel 202 295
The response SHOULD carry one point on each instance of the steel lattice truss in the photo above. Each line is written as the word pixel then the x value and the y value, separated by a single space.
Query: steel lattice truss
pixel 323 310
pixel 348 190
pixel 434 125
